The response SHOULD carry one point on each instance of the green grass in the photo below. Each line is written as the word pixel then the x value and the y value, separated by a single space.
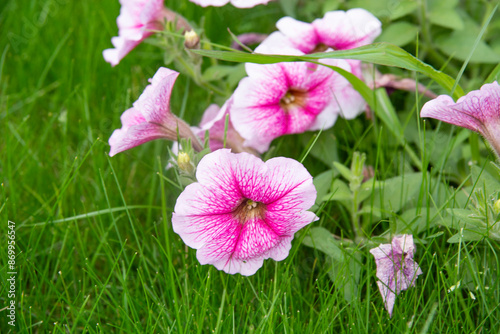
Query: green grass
pixel 95 248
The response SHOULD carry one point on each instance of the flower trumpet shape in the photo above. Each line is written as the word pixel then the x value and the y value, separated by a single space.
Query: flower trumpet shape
pixel 150 117
pixel 396 269
pixel 136 22
pixel 477 111
pixel 243 210
pixel 235 3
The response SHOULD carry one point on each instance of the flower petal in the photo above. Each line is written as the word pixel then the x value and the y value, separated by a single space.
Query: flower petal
pixel 346 30
pixel 134 135
pixel 302 35
pixel 444 109
pixel 208 213
pixel 154 102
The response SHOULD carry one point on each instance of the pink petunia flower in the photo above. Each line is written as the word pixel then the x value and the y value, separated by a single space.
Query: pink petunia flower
pixel 243 210
pixel 150 117
pixel 477 111
pixel 396 269
pixel 135 23
pixel 285 98
pixel 235 3
pixel 337 30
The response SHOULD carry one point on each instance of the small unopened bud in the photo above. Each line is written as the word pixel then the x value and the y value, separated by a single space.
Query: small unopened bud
pixel 191 39
pixel 184 163
pixel 496 207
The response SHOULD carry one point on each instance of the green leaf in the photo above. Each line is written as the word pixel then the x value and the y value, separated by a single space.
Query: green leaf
pixel 345 274
pixel 466 235
pixel 463 218
pixel 399 33
pixel 387 114
pixel 340 192
pixel 385 8
pixel 377 53
pixel 404 8
pixel 482 178
pixel 322 182
pixel 322 240
pixel 325 148
pixel 289 6
pixel 396 193
pixel 447 18
pixel 217 72
pixel 411 223
pixel 366 190
pixel 443 13
pixel 459 44
pixel 343 170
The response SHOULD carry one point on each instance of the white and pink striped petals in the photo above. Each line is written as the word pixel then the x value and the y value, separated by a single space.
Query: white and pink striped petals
pixel 154 102
pixel 288 180
pixel 206 213
pixel 346 30
pixel 483 104
pixel 300 34
pixel 235 3
pixel 131 136
pixel 256 113
pixel 443 108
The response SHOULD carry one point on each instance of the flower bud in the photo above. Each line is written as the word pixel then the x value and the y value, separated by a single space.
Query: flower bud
pixel 496 206
pixel 191 39
pixel 184 163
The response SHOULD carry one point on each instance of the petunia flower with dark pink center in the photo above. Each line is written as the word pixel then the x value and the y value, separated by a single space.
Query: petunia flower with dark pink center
pixel 337 30
pixel 396 269
pixel 136 22
pixel 243 210
pixel 477 111
pixel 284 98
pixel 235 3
pixel 150 117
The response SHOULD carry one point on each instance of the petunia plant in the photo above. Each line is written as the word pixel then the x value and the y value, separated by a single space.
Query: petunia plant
pixel 241 202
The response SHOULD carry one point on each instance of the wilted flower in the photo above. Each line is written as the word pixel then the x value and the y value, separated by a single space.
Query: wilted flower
pixel 235 3
pixel 243 210
pixel 284 98
pixel 150 117
pixel 337 30
pixel 396 269
pixel 478 111
pixel 136 22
